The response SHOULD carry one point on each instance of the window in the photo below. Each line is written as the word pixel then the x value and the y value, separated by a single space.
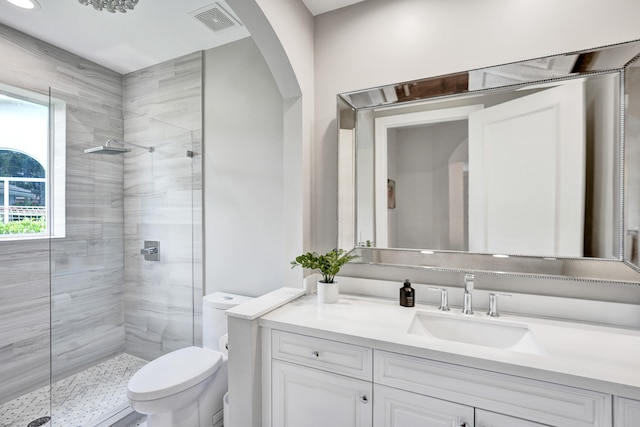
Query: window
pixel 23 194
pixel 31 198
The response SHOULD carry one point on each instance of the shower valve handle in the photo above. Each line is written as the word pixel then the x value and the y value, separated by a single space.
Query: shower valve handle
pixel 149 251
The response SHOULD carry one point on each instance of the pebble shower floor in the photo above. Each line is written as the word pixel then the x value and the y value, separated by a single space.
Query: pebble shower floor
pixel 77 400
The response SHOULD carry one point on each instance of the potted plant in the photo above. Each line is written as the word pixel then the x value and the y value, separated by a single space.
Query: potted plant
pixel 328 265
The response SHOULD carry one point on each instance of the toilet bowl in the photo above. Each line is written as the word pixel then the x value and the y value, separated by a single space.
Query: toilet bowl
pixel 185 388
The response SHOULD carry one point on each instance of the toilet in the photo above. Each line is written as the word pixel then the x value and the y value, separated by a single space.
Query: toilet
pixel 185 388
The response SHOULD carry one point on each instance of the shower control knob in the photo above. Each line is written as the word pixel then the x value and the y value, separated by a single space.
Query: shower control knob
pixel 148 251
pixel 151 250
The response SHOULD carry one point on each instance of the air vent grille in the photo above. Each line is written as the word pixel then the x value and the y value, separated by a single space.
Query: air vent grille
pixel 215 18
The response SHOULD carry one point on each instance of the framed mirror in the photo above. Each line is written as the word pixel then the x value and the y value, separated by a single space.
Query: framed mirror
pixel 526 168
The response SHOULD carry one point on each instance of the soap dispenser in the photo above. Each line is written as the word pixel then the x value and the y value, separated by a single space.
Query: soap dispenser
pixel 407 295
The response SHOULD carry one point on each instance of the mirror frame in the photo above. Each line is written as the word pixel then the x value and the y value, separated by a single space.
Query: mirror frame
pixel 606 59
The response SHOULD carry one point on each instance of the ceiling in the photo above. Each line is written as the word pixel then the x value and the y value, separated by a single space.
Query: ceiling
pixel 157 30
pixel 317 7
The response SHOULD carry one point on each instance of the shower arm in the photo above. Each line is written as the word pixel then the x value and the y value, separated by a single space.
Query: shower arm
pixel 109 141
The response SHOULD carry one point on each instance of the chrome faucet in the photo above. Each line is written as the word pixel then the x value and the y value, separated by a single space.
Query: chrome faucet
pixel 468 292
pixel 444 298
pixel 493 303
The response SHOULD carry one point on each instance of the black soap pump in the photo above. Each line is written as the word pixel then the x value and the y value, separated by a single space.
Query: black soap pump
pixel 407 295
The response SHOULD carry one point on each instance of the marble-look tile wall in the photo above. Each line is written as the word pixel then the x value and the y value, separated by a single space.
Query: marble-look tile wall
pixel 24 317
pixel 86 292
pixel 163 193
pixel 87 266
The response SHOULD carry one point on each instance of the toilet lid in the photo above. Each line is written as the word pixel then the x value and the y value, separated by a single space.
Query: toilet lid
pixel 172 373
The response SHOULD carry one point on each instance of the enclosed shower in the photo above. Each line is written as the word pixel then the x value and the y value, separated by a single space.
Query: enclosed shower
pixel 85 307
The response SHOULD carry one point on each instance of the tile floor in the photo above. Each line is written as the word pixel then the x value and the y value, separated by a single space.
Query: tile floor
pixel 78 400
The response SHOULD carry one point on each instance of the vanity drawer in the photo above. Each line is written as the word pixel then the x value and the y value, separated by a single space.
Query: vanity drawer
pixel 538 401
pixel 333 356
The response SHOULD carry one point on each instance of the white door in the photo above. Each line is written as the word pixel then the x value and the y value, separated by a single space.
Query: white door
pixel 527 174
pixel 398 408
pixel 491 419
pixel 305 397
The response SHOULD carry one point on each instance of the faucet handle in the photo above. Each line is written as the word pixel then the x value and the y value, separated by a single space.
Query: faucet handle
pixel 493 303
pixel 444 298
pixel 469 278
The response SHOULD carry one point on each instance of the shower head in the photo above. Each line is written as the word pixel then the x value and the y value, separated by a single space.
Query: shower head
pixel 105 149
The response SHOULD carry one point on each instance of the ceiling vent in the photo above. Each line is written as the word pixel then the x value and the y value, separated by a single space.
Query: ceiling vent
pixel 215 18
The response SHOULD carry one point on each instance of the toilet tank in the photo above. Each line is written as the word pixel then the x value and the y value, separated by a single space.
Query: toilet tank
pixel 214 320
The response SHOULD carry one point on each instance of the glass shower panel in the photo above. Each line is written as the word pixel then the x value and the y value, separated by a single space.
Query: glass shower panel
pixel 111 310
pixel 24 260
pixel 158 207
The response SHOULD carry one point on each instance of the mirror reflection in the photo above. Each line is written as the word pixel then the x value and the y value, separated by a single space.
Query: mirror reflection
pixel 526 171
pixel 524 159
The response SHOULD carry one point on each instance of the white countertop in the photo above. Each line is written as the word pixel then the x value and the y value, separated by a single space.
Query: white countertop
pixel 595 357
pixel 254 308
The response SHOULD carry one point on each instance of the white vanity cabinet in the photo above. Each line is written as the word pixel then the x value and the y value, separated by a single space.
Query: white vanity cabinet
pixel 319 383
pixel 626 412
pixel 308 397
pixel 491 419
pixel 313 381
pixel 544 403
pixel 399 408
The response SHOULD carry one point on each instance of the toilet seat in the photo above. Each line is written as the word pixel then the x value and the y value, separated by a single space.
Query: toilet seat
pixel 172 373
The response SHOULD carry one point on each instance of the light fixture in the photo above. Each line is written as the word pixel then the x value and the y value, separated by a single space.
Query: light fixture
pixel 112 6
pixel 25 4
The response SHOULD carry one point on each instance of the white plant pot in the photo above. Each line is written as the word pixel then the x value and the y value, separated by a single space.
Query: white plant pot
pixel 328 292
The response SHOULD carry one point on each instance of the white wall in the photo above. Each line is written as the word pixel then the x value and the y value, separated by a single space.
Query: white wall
pixel 243 173
pixel 283 31
pixel 602 100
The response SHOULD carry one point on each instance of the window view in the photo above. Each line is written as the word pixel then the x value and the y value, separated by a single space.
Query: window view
pixel 23 160
pixel 22 194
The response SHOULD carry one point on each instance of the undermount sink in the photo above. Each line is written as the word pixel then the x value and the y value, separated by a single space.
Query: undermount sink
pixel 477 331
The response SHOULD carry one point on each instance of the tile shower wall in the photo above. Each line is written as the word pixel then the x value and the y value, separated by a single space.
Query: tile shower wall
pixel 24 317
pixel 163 193
pixel 77 280
pixel 87 310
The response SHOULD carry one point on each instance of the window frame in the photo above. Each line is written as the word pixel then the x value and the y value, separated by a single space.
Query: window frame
pixel 55 167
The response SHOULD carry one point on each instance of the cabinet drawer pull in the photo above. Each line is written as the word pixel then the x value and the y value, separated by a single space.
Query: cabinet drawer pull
pixel 463 424
pixel 364 398
pixel 334 356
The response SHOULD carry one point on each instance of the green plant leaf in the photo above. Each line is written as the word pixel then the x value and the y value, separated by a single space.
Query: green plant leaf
pixel 328 264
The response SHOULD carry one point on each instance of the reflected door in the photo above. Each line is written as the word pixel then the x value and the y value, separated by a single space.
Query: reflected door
pixel 526 174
